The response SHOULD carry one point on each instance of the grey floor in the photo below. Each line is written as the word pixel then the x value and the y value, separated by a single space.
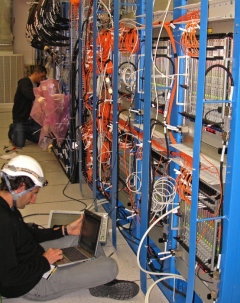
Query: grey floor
pixel 52 197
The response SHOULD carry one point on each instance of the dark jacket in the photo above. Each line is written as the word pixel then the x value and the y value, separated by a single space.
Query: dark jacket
pixel 23 100
pixel 21 257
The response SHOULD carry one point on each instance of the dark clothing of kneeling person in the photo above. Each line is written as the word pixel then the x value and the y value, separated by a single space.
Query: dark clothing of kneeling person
pixel 24 127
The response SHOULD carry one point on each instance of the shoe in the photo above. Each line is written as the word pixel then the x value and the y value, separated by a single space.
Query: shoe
pixel 116 289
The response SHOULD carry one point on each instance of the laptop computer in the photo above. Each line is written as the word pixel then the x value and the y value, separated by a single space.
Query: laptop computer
pixel 87 242
pixel 64 217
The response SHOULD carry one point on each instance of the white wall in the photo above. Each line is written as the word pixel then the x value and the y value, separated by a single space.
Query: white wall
pixel 21 45
pixel 5 26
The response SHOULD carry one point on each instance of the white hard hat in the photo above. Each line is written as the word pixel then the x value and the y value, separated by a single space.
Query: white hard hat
pixel 25 166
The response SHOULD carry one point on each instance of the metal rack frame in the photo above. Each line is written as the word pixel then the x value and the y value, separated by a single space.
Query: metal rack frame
pixel 229 270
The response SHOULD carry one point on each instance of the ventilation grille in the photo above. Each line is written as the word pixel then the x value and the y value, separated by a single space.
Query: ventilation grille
pixel 11 70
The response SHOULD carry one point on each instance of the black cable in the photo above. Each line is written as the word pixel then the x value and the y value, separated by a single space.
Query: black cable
pixel 221 201
pixel 78 200
pixel 229 74
pixel 73 111
pixel 211 110
pixel 157 122
pixel 126 238
pixel 37 214
pixel 129 231
pixel 202 278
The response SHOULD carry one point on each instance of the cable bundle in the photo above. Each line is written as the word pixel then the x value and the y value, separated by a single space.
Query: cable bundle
pixel 191 16
pixel 75 2
pixel 189 41
pixel 128 41
pixel 87 136
pixel 164 192
pixel 184 185
pixel 104 117
pixel 105 47
pixel 45 26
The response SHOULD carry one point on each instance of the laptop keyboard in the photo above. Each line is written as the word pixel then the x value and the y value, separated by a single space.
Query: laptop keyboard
pixel 73 254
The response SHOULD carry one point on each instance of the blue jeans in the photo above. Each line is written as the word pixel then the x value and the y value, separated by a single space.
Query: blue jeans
pixel 20 132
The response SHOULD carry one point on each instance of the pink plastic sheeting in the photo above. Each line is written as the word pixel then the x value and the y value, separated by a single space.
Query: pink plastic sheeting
pixel 51 110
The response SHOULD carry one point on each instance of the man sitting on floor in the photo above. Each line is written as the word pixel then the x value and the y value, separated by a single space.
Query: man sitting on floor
pixel 23 261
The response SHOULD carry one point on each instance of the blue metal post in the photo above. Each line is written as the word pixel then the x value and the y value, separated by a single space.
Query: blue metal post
pixel 94 114
pixel 138 103
pixel 146 138
pixel 197 150
pixel 80 100
pixel 230 262
pixel 114 192
pixel 176 119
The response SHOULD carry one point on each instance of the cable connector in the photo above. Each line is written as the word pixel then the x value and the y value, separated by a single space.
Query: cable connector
pixel 138 112
pixel 184 129
pixel 177 253
pixel 226 123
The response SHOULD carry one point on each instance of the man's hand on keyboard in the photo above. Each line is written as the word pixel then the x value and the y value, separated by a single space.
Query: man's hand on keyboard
pixel 53 255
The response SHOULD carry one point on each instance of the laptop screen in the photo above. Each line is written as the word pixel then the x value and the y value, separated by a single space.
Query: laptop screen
pixel 62 217
pixel 88 239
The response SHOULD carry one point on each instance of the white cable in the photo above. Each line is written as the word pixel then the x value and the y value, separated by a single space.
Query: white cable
pixel 134 175
pixel 164 252
pixel 109 13
pixel 130 80
pixel 155 55
pixel 166 257
pixel 164 192
pixel 143 238
pixel 159 280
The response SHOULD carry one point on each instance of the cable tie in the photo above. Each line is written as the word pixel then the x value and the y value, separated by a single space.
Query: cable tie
pixel 182 29
pixel 177 172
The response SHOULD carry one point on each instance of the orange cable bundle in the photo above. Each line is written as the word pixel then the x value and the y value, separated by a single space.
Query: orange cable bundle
pixel 87 67
pixel 173 92
pixel 104 67
pixel 104 116
pixel 184 185
pixel 105 42
pixel 89 165
pixel 108 67
pixel 132 41
pixel 105 152
pixel 105 45
pixel 189 41
pixel 75 2
pixel 88 80
pixel 195 15
pixel 191 16
pixel 128 41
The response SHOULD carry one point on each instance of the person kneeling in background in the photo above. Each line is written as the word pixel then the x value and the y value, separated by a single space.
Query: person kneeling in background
pixel 24 127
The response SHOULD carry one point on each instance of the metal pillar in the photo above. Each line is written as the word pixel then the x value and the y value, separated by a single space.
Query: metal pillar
pixel 147 138
pixel 114 192
pixel 230 262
